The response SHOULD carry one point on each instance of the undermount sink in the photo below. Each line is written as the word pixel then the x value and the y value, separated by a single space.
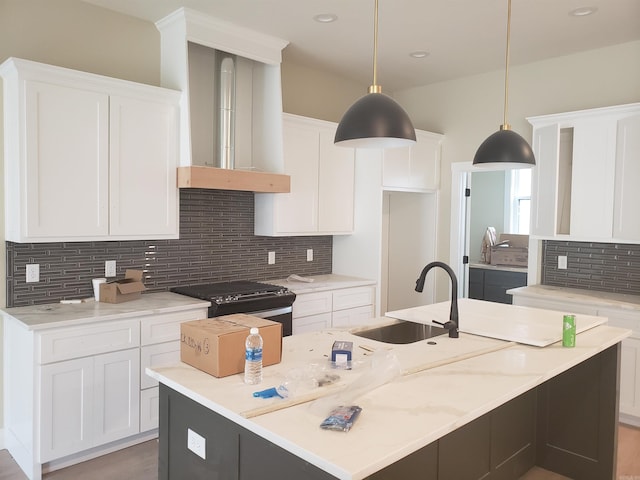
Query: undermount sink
pixel 401 332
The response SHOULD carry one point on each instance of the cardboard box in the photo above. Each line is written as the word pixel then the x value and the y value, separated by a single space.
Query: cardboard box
pixel 216 345
pixel 511 250
pixel 129 288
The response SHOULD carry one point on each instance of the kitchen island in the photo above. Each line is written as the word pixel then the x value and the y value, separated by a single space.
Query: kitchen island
pixel 465 408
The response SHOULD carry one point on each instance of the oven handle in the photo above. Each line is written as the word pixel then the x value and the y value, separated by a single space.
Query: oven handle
pixel 271 313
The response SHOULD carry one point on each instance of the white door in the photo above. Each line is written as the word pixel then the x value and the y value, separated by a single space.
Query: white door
pixel 67 131
pixel 143 160
pixel 116 395
pixel 66 408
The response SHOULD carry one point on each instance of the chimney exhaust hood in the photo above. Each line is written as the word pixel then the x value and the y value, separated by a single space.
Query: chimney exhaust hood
pixel 231 105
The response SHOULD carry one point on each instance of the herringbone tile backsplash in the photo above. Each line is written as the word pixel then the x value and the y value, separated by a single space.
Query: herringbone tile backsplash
pixel 606 267
pixel 216 244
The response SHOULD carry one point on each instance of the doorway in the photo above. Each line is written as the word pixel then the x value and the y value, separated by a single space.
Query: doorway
pixel 501 206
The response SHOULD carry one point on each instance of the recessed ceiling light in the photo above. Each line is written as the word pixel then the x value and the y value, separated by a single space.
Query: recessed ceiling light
pixel 419 54
pixel 583 11
pixel 325 17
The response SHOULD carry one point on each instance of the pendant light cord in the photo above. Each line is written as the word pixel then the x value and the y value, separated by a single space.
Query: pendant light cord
pixel 505 125
pixel 375 88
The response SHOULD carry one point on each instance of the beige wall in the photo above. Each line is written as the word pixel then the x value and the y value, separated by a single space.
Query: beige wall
pixel 469 109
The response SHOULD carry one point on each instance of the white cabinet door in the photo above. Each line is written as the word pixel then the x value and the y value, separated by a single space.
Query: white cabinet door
pixel 322 184
pixel 116 396
pixel 592 180
pixel 352 317
pixel 88 401
pixel 414 168
pixel 297 211
pixel 336 175
pixel 544 183
pixel 149 409
pixel 66 153
pixel 626 221
pixel 66 408
pixel 143 161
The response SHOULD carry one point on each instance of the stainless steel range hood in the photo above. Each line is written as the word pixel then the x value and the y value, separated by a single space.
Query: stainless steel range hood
pixel 231 110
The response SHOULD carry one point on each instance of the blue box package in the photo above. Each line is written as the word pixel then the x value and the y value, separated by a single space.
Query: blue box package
pixel 341 351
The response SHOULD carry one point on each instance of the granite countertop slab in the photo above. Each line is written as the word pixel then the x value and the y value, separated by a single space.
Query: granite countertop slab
pixel 587 297
pixel 322 283
pixel 36 317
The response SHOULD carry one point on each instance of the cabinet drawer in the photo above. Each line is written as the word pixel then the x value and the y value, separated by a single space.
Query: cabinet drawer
pixel 312 323
pixel 166 327
pixel 67 343
pixel 149 409
pixel 352 316
pixel 312 304
pixel 353 297
pixel 622 319
pixel 156 356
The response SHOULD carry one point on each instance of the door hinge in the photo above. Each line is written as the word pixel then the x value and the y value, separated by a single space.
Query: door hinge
pixel 467 192
pixel 465 259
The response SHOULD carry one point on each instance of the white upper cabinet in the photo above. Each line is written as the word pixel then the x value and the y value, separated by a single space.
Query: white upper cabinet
pixel 414 168
pixel 585 181
pixel 87 157
pixel 322 184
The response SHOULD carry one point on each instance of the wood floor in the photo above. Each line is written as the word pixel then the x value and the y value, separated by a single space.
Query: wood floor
pixel 140 462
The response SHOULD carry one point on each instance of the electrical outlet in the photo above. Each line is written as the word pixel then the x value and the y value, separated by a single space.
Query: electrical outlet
pixel 562 262
pixel 196 444
pixel 309 254
pixel 110 268
pixel 33 273
pixel 271 259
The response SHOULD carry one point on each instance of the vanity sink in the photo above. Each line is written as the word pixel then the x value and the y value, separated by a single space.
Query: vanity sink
pixel 402 332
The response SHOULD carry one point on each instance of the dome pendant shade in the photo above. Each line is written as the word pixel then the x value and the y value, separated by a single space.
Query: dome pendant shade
pixel 375 121
pixel 505 149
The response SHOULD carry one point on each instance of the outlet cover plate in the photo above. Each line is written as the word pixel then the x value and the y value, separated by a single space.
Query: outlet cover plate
pixel 33 272
pixel 309 254
pixel 197 444
pixel 562 262
pixel 110 268
pixel 271 259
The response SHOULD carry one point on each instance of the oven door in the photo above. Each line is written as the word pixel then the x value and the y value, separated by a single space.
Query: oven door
pixel 281 315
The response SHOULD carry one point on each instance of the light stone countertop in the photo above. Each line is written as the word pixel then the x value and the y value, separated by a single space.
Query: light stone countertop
pixel 35 317
pixel 321 283
pixel 457 381
pixel 586 297
pixel 504 268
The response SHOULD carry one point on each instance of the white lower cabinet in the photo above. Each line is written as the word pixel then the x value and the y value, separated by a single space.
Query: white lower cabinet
pixel 88 402
pixel 630 354
pixel 341 307
pixel 74 388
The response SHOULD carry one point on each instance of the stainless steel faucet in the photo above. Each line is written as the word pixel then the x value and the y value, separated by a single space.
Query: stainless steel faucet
pixel 452 324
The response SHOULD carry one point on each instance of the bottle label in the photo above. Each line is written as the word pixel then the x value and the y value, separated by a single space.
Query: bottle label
pixel 569 331
pixel 253 354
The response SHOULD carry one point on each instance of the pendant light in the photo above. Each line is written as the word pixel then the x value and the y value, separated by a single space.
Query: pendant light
pixel 505 148
pixel 375 120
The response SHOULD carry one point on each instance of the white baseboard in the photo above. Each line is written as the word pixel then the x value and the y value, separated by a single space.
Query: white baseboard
pixel 2 447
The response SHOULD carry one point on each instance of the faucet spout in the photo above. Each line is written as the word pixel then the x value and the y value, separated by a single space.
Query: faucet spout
pixel 453 323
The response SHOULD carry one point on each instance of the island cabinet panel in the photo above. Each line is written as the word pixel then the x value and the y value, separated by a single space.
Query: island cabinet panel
pixel 492 285
pixel 178 416
pixel 567 425
pixel 566 442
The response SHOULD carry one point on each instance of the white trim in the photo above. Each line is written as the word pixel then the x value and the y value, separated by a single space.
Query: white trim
pixel 2 447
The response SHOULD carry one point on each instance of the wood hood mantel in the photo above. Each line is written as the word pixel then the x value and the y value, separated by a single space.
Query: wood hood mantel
pixel 226 179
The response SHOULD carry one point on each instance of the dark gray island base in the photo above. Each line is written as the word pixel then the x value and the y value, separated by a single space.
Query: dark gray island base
pixel 567 425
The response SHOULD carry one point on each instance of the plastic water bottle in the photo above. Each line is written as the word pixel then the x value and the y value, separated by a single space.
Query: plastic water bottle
pixel 253 358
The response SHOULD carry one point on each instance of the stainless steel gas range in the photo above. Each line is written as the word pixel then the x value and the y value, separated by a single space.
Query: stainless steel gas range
pixel 262 300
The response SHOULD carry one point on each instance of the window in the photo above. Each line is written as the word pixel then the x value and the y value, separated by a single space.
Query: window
pixel 518 211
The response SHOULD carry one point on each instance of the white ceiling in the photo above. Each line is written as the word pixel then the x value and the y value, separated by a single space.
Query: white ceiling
pixel 464 37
